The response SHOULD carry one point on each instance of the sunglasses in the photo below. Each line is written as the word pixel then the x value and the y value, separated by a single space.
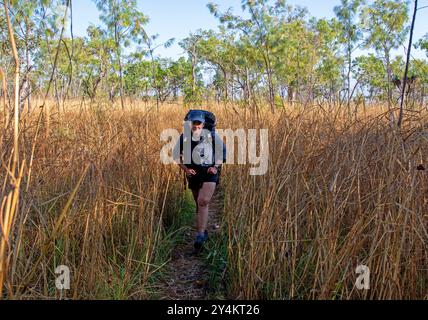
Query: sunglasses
pixel 196 123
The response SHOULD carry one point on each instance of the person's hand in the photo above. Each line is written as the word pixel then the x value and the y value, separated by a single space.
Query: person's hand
pixel 212 170
pixel 190 172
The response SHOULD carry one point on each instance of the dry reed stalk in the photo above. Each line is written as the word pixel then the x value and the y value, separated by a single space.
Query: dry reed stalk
pixel 10 201
pixel 5 104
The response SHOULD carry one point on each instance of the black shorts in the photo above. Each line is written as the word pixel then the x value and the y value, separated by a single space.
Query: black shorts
pixel 195 182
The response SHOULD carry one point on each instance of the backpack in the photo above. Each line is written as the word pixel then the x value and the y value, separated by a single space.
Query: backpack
pixel 210 119
pixel 210 122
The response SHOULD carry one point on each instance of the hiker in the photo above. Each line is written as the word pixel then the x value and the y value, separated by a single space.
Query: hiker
pixel 203 169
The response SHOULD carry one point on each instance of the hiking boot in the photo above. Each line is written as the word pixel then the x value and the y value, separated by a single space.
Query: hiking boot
pixel 199 243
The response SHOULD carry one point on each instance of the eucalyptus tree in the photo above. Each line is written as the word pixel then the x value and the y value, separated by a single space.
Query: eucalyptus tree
pixel 350 35
pixel 326 62
pixel 409 50
pixel 97 64
pixel 418 70
pixel 261 33
pixel 27 30
pixel 152 44
pixel 173 76
pixel 414 89
pixel 181 78
pixel 292 57
pixel 384 22
pixel 138 78
pixel 370 71
pixel 216 49
pixel 255 32
pixel 35 23
pixel 124 23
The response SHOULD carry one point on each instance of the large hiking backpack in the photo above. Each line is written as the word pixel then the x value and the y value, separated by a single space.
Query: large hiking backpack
pixel 210 123
pixel 210 119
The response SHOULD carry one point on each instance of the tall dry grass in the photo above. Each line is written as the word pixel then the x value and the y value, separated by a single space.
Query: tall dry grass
pixel 94 198
pixel 340 192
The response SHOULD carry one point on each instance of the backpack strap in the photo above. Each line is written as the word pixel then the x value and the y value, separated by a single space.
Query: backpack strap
pixel 213 144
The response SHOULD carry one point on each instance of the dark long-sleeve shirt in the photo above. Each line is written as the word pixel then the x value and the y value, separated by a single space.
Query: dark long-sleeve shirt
pixel 202 153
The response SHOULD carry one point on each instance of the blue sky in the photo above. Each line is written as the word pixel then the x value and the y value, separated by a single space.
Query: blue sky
pixel 177 18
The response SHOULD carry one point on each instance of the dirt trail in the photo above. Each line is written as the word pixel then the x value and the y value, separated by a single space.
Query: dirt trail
pixel 186 275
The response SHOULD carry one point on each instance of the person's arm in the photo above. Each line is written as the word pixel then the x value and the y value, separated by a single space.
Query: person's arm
pixel 177 155
pixel 188 171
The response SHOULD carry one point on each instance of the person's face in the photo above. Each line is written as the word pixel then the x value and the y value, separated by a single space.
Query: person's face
pixel 197 126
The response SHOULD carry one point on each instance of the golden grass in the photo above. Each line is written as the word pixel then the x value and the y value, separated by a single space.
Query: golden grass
pixel 95 200
pixel 339 192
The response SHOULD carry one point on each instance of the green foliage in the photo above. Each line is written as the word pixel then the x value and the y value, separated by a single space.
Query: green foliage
pixel 372 75
pixel 217 259
pixel 123 20
pixel 385 23
pixel 346 14
pixel 423 44
pixel 272 52
pixel 137 78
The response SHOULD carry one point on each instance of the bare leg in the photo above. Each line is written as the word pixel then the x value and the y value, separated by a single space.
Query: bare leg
pixel 195 193
pixel 204 198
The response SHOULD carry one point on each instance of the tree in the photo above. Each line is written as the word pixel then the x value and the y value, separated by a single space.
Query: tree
pixel 35 23
pixel 99 47
pixel 15 174
pixel 326 62
pixel 190 44
pixel 371 73
pixel 350 34
pixel 124 24
pixel 409 48
pixel 151 44
pixel 384 22
pixel 257 32
pixel 138 78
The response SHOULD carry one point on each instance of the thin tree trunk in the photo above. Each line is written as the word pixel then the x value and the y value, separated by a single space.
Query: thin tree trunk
pixel 389 90
pixel 57 100
pixel 290 94
pixel 248 86
pixel 271 91
pixel 121 83
pixel 155 86
pixel 194 61
pixel 5 104
pixel 119 58
pixel 409 49
pixel 349 77
pixel 11 199
pixel 27 74
pixel 44 105
pixel 226 93
pixel 16 87
pixel 232 90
